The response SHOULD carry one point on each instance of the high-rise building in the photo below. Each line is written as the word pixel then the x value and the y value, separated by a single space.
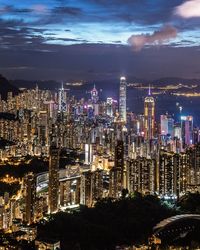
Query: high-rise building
pixel 119 156
pixel 141 175
pixel 149 116
pixel 193 154
pixel 94 95
pixel 186 130
pixel 30 197
pixel 91 187
pixel 62 101
pixel 53 178
pixel 109 107
pixel 116 182
pixel 172 174
pixel 122 99
pixel 88 154
pixel 166 126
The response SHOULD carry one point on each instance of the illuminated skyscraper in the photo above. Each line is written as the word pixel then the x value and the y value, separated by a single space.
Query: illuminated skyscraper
pixel 30 197
pixel 109 106
pixel 149 116
pixel 53 178
pixel 122 99
pixel 62 101
pixel 186 130
pixel 117 172
pixel 94 95
pixel 141 175
pixel 91 187
pixel 166 125
pixel 172 174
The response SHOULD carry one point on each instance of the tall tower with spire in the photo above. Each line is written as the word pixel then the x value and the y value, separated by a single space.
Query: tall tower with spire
pixel 62 99
pixel 149 116
pixel 122 99
pixel 94 95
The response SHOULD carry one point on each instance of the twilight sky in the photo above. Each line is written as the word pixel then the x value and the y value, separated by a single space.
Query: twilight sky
pixel 99 39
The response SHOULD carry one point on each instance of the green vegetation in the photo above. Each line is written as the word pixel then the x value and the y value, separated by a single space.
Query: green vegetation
pixel 11 188
pixel 110 223
pixel 35 165
pixel 190 202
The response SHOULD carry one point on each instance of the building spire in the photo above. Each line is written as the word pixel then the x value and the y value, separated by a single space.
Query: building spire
pixel 149 92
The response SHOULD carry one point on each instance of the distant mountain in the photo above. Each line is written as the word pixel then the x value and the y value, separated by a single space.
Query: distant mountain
pixel 51 84
pixel 175 80
pixel 6 87
pixel 48 84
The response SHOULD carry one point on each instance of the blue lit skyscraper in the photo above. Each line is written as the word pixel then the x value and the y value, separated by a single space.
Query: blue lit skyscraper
pixel 122 100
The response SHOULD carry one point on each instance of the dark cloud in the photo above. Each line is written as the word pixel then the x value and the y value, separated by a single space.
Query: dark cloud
pixel 139 11
pixel 67 10
pixel 12 10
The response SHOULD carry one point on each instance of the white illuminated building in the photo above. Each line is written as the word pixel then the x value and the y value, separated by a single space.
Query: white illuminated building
pixel 122 99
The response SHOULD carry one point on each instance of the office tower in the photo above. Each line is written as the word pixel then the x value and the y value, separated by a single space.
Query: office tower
pixel 166 125
pixel 109 107
pixel 149 116
pixel 186 130
pixel 141 175
pixel 30 197
pixel 54 155
pixel 88 154
pixel 94 95
pixel 163 125
pixel 116 182
pixel 62 100
pixel 122 100
pixel 196 135
pixel 177 131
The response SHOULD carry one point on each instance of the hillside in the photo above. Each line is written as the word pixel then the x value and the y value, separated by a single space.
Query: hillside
pixel 6 87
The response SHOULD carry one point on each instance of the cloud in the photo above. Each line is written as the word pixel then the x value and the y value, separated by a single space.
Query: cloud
pixel 158 37
pixel 188 9
pixel 12 10
pixel 39 8
pixel 67 10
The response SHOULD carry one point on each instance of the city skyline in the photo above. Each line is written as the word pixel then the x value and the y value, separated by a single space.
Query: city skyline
pixel 61 154
pixel 95 39
pixel 99 124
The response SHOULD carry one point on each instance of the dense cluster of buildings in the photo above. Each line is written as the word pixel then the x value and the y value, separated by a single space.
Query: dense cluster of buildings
pixel 123 150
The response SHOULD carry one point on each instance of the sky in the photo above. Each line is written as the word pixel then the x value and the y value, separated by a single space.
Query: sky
pixel 99 39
